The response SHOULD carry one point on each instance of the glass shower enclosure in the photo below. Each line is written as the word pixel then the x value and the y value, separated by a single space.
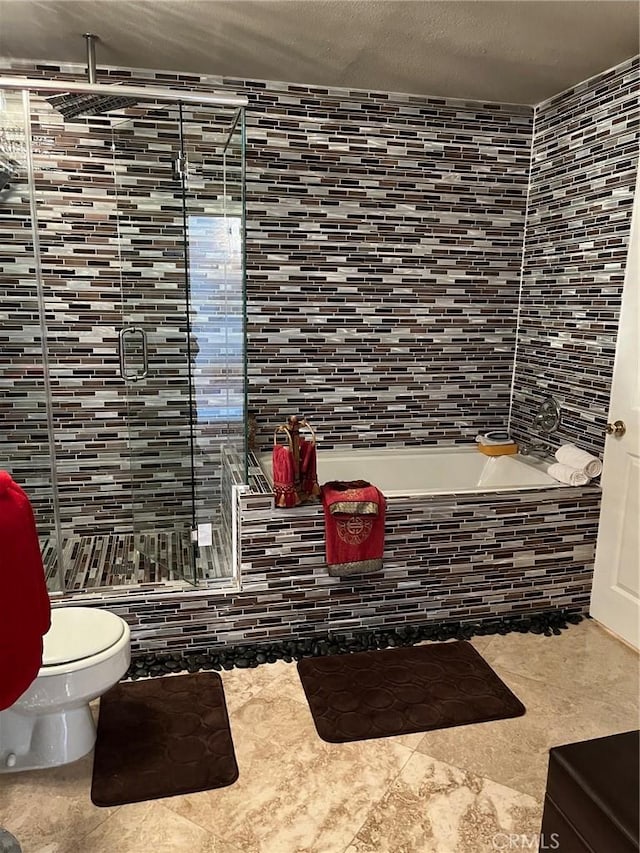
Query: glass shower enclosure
pixel 123 328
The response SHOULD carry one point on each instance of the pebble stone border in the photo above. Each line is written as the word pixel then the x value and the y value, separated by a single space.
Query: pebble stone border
pixel 548 623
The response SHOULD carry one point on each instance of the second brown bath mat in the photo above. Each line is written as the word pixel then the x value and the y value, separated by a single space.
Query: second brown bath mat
pixel 399 691
pixel 162 737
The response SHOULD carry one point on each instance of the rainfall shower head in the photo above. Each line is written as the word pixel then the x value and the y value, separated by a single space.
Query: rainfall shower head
pixel 6 174
pixel 74 105
pixel 83 105
pixel 9 168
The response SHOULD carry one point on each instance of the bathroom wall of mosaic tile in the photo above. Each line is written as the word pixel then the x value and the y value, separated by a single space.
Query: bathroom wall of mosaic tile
pixel 583 172
pixel 383 261
pixel 384 244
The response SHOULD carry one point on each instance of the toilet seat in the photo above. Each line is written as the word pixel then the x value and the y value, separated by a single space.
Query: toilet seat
pixel 78 633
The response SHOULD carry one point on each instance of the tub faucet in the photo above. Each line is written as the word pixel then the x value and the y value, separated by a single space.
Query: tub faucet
pixel 540 449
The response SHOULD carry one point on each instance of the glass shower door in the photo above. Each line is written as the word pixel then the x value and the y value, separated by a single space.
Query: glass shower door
pixel 154 342
pixel 125 386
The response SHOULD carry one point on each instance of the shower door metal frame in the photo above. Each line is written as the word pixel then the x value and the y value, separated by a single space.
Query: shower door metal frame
pixel 174 96
pixel 240 123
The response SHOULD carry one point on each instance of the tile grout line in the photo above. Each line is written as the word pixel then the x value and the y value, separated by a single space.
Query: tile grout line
pixel 105 820
pixel 374 805
pixel 180 816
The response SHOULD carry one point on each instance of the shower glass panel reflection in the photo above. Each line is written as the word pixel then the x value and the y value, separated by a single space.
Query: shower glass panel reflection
pixel 24 392
pixel 214 223
pixel 135 459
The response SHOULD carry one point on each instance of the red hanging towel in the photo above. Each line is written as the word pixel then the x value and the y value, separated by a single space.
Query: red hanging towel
pixel 308 470
pixel 284 487
pixel 25 613
pixel 288 492
pixel 354 515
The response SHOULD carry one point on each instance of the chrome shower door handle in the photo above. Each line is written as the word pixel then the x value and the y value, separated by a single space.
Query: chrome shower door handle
pixel 121 335
pixel 145 362
pixel 136 374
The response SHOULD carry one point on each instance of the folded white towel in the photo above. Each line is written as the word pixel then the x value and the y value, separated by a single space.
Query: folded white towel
pixel 571 455
pixel 567 474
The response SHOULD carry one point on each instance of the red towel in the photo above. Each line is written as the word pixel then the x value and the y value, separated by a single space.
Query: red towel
pixel 284 486
pixel 356 497
pixel 308 470
pixel 25 613
pixel 287 492
pixel 354 514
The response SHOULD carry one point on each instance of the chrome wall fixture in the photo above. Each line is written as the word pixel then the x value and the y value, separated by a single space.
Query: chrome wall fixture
pixel 547 417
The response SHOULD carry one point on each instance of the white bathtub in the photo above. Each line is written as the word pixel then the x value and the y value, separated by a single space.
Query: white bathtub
pixel 412 471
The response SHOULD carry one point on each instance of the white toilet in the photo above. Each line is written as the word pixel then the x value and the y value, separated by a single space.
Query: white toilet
pixel 86 651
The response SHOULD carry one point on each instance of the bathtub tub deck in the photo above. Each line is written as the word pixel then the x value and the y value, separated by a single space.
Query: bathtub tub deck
pixel 410 472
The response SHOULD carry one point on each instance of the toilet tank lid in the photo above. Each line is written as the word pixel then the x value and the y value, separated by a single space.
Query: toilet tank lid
pixel 79 632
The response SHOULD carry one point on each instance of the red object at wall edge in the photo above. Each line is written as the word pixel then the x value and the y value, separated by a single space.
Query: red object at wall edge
pixel 25 610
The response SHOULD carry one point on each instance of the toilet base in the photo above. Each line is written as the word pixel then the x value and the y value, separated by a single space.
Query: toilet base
pixel 36 741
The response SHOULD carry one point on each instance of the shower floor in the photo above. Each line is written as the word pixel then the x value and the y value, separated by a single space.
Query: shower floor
pixel 125 559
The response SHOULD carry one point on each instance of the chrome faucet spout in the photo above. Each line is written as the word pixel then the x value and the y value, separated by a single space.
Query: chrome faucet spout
pixel 541 449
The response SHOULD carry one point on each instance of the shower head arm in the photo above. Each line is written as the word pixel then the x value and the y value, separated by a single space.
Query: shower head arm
pixel 91 40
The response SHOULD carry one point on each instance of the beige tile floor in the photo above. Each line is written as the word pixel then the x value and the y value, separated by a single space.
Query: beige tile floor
pixel 450 791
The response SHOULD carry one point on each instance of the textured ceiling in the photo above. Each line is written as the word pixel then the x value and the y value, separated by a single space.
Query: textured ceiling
pixel 522 51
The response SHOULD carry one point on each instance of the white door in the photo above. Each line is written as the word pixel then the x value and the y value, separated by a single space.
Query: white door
pixel 615 599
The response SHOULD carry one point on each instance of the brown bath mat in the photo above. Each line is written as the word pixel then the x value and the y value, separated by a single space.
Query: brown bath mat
pixel 399 691
pixel 162 737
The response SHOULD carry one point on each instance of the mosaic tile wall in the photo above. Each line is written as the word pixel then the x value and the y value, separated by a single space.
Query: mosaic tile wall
pixel 384 247
pixel 585 156
pixel 446 557
pixel 383 255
